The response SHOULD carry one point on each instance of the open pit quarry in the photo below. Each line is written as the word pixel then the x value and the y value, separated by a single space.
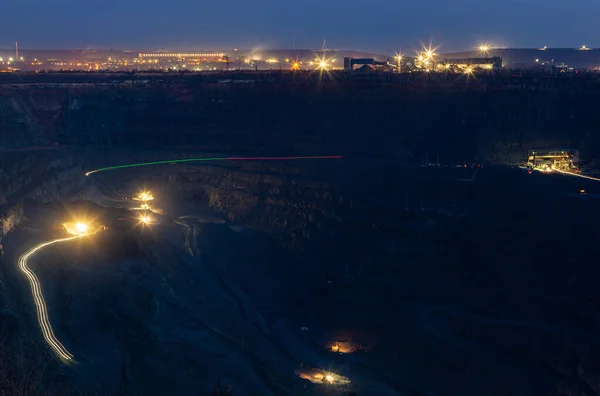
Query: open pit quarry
pixel 367 274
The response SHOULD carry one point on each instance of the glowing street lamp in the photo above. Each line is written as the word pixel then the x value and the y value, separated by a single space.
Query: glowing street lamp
pixel 484 48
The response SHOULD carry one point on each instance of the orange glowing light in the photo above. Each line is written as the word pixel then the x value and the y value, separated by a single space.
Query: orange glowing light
pixel 78 228
pixel 81 228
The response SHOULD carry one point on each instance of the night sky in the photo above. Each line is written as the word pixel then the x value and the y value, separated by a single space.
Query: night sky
pixel 378 25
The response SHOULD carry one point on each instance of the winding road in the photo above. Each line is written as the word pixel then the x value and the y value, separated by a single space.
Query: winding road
pixel 38 298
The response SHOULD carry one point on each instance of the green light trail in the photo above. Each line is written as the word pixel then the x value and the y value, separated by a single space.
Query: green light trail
pixel 178 161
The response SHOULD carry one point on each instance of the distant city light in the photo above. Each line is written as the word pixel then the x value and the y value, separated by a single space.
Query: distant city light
pixel 484 48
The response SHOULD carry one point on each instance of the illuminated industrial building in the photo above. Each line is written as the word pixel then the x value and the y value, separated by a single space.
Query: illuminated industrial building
pixel 170 55
pixel 370 63
pixel 493 63
pixel 549 160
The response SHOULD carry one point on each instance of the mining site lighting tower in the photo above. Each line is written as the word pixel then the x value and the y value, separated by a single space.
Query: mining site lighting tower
pixel 399 58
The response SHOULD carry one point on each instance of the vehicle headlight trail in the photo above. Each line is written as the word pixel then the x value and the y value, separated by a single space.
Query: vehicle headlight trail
pixel 38 298
pixel 578 175
pixel 178 161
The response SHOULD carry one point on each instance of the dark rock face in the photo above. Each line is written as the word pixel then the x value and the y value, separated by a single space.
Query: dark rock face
pixel 346 117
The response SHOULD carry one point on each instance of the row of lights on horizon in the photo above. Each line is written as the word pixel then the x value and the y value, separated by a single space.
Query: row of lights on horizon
pixel 427 56
pixel 429 52
pixel 424 58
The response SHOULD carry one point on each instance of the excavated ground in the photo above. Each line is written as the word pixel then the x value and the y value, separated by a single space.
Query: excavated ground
pixel 448 282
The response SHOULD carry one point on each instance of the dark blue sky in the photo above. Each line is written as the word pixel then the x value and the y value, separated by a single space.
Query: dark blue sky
pixel 379 25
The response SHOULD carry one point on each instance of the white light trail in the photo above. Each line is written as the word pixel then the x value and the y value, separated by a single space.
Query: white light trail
pixel 38 298
pixel 578 175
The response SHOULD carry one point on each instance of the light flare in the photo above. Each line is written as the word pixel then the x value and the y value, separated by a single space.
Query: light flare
pixel 144 196
pixel 77 228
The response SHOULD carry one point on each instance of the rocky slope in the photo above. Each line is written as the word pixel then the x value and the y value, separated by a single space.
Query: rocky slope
pixel 414 117
pixel 37 176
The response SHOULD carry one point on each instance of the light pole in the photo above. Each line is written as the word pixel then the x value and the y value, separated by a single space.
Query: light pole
pixel 399 58
pixel 484 48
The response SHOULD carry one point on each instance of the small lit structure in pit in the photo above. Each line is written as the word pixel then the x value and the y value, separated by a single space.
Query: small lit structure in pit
pixel 318 376
pixel 81 227
pixel 144 196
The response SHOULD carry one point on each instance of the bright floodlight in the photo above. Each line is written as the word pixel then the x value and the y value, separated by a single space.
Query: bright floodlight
pixel 323 64
pixel 145 220
pixel 145 196
pixel 329 378
pixel 81 228
pixel 484 48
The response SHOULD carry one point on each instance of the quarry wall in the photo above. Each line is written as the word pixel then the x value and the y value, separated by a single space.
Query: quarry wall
pixel 360 118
